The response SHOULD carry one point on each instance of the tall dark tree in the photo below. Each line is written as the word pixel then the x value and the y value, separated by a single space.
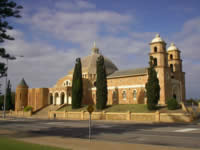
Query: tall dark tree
pixel 101 84
pixel 9 104
pixel 8 9
pixel 77 85
pixel 152 87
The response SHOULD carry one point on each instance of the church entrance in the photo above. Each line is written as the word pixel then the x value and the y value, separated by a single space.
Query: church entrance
pixel 176 93
pixel 51 99
pixel 62 98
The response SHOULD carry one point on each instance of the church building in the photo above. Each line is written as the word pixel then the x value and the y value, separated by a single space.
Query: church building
pixel 124 86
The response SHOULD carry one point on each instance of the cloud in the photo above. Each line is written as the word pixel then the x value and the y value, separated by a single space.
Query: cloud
pixel 42 64
pixel 75 26
pixel 74 5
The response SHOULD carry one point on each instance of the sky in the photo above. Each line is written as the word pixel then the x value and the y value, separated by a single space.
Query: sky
pixel 52 33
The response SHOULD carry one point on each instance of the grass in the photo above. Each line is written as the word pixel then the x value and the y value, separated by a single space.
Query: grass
pixel 12 144
pixel 69 108
pixel 137 108
pixel 114 108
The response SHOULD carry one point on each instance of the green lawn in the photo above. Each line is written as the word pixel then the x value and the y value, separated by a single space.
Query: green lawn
pixel 11 144
pixel 137 108
pixel 114 108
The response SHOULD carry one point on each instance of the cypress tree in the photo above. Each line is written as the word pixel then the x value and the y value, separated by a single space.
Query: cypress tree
pixel 9 104
pixel 101 84
pixel 152 87
pixel 77 86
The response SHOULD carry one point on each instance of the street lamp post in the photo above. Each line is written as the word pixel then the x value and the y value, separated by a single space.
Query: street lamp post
pixel 4 102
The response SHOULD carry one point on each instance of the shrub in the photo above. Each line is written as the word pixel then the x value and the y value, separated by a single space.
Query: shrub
pixel 28 108
pixel 172 104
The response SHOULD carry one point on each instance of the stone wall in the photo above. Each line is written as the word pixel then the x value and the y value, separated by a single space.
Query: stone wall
pixel 138 117
pixel 38 98
pixel 19 114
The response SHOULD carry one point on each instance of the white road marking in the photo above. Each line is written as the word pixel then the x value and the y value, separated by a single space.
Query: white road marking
pixel 186 130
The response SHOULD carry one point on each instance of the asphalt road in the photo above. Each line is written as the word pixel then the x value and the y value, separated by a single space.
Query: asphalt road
pixel 179 135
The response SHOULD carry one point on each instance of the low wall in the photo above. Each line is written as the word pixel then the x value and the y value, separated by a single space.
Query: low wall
pixel 138 117
pixel 19 114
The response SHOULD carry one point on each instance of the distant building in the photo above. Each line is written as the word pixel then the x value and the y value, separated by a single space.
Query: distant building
pixel 124 86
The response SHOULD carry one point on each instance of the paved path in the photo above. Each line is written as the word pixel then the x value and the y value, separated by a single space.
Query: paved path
pixel 124 135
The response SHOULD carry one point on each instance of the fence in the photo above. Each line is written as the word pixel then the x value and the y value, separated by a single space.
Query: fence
pixel 138 117
pixel 19 113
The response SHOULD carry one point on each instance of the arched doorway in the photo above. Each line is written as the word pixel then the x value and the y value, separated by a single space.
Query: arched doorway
pixel 62 98
pixel 176 93
pixel 51 99
pixel 56 98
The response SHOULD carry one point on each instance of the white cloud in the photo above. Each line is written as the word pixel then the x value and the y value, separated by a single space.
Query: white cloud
pixel 74 5
pixel 77 27
pixel 42 64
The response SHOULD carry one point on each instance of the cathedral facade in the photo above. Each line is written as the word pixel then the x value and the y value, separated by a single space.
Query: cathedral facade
pixel 124 86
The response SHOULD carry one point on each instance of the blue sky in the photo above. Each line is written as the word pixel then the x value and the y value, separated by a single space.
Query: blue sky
pixel 52 33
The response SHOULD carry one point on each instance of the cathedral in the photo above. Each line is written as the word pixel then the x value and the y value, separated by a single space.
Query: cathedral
pixel 124 86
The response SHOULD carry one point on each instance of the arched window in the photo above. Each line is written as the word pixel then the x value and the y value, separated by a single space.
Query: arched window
pixel 155 61
pixel 67 83
pixel 134 94
pixel 114 95
pixel 155 49
pixel 171 67
pixel 171 56
pixel 124 95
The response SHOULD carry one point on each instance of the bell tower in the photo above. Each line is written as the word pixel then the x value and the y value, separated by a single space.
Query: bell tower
pixel 174 60
pixel 175 65
pixel 160 60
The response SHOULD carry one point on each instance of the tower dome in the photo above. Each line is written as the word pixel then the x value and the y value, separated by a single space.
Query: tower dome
pixel 89 62
pixel 172 47
pixel 157 39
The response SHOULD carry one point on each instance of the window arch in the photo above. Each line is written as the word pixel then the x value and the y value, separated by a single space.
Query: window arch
pixel 67 83
pixel 155 49
pixel 172 67
pixel 134 94
pixel 124 95
pixel 171 56
pixel 114 95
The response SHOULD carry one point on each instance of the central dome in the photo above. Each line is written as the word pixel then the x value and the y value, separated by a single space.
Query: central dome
pixel 89 63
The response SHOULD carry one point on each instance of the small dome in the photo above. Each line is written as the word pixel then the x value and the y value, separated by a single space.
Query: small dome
pixel 172 47
pixel 157 39
pixel 22 84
